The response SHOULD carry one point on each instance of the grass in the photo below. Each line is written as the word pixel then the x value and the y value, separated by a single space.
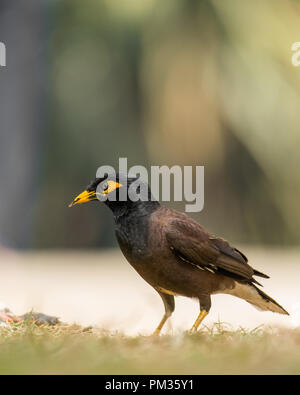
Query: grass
pixel 63 349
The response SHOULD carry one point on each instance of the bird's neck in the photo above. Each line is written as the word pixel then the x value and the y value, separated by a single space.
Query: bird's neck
pixel 130 209
pixel 132 227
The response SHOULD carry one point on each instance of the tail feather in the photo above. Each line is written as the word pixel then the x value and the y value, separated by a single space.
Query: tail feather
pixel 271 303
pixel 255 296
pixel 260 274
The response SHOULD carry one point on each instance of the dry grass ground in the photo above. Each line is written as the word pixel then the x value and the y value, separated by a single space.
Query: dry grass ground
pixel 102 290
pixel 27 349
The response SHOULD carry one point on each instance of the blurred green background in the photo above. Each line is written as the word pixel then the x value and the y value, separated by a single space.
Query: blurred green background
pixel 187 82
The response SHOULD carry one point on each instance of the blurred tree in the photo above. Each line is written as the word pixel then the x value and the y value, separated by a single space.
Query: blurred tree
pixel 22 115
pixel 188 82
pixel 95 117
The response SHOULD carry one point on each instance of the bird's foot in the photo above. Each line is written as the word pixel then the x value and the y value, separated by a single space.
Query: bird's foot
pixel 198 321
pixel 161 324
pixel 156 333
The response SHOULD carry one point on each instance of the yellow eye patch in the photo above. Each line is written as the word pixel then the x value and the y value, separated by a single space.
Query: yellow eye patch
pixel 112 185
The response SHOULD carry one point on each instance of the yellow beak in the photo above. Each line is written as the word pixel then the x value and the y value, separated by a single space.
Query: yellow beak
pixel 84 197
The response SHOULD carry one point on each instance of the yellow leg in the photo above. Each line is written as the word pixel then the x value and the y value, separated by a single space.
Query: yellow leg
pixel 161 324
pixel 198 321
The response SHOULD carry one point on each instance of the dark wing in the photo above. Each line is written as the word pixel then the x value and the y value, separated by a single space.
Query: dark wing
pixel 226 249
pixel 193 244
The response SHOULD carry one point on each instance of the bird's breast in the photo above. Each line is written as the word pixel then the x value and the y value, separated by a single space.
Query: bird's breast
pixel 133 240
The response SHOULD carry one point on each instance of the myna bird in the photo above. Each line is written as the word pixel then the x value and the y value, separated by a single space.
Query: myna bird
pixel 175 254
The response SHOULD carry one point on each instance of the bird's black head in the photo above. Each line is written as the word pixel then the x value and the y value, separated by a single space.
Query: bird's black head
pixel 119 192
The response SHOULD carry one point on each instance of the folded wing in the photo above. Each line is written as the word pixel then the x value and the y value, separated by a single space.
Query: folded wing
pixel 191 243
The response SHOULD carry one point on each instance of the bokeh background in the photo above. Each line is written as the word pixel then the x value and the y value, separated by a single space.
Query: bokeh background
pixel 173 82
pixel 187 82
